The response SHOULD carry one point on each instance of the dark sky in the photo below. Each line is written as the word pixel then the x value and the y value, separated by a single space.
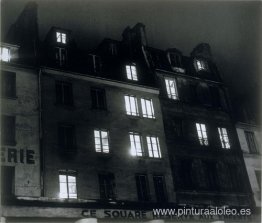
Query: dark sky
pixel 232 28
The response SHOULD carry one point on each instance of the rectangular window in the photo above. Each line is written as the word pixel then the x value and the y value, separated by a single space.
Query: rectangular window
pixel 136 145
pixel 250 137
pixel 202 134
pixel 201 65
pixel 147 108
pixel 142 187
pixel 171 89
pixel 153 147
pixel 94 63
pixel 175 60
pixel 60 56
pixel 131 72
pixel 5 54
pixel 160 188
pixel 98 96
pixel 101 141
pixel 61 37
pixel 8 84
pixel 107 186
pixel 67 184
pixel 7 181
pixel 66 138
pixel 64 93
pixel 8 130
pixel 131 105
pixel 224 138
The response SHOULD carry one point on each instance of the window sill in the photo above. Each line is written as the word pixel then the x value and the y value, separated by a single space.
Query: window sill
pixel 104 155
pixel 133 116
pixel 147 158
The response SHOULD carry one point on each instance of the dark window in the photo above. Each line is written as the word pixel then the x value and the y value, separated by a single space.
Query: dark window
pixel 216 101
pixel 60 56
pixel 160 188
pixel 94 63
pixel 8 84
pixel 98 96
pixel 8 130
pixel 7 181
pixel 142 187
pixel 210 169
pixel 258 176
pixel 66 138
pixel 64 93
pixel 178 128
pixel 193 93
pixel 113 49
pixel 175 59
pixel 185 174
pixel 250 137
pixel 107 186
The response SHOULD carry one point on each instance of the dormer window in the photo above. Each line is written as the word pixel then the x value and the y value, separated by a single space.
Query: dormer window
pixel 131 72
pixel 60 37
pixel 201 65
pixel 174 59
pixel 94 63
pixel 5 54
pixel 113 49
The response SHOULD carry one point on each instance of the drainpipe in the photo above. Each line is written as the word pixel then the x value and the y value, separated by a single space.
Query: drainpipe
pixel 41 151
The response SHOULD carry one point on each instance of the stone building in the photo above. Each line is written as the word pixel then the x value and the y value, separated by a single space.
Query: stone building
pixel 250 140
pixel 118 131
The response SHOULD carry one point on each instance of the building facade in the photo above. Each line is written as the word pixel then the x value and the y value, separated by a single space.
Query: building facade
pixel 249 137
pixel 113 133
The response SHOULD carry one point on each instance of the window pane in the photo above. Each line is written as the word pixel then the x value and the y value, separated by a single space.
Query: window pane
pixel 5 54
pixel 135 142
pixel 171 88
pixel 153 147
pixel 202 134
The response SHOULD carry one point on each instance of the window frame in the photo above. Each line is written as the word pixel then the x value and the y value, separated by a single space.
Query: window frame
pixel 203 140
pixel 108 184
pixel 8 84
pixel 131 72
pixel 252 146
pixel 96 93
pixel 160 198
pixel 151 151
pixel 177 62
pixel 67 174
pixel 224 138
pixel 143 194
pixel 101 145
pixel 3 56
pixel 138 152
pixel 145 111
pixel 201 64
pixel 61 37
pixel 171 91
pixel 65 147
pixel 128 105
pixel 62 84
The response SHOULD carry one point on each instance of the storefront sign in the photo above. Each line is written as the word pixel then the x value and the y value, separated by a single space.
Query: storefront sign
pixel 14 155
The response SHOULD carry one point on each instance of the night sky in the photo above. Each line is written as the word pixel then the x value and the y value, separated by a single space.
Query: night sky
pixel 233 30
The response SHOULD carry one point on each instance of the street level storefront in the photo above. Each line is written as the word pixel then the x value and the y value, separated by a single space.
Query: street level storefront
pixel 89 213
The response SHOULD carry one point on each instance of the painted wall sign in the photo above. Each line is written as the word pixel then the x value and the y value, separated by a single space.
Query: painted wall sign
pixel 14 155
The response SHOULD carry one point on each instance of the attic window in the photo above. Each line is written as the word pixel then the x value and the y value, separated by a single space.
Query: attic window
pixel 61 37
pixel 201 65
pixel 131 72
pixel 174 59
pixel 4 54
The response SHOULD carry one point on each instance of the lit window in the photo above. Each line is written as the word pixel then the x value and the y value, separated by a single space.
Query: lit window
pixel 171 89
pixel 131 105
pixel 131 72
pixel 153 147
pixel 224 138
pixel 4 54
pixel 61 37
pixel 202 134
pixel 201 65
pixel 136 146
pixel 67 185
pixel 101 141
pixel 147 108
